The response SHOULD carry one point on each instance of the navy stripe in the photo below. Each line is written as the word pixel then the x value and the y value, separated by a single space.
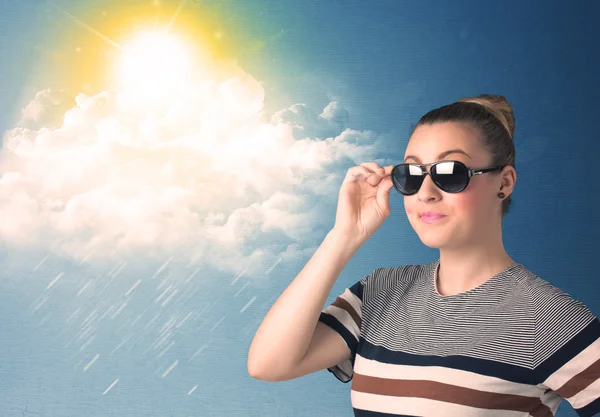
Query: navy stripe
pixel 334 323
pixel 357 289
pixel 592 409
pixel 495 369
pixel 571 349
pixel 365 413
pixel 515 327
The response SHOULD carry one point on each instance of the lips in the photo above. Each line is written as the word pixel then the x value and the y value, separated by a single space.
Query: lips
pixel 432 215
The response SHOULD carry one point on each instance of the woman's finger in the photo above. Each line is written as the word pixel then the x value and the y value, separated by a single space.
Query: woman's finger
pixel 373 166
pixel 356 171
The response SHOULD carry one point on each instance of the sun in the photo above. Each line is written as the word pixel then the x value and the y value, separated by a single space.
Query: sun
pixel 155 64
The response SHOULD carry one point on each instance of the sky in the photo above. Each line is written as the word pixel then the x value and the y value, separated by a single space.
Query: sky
pixel 146 226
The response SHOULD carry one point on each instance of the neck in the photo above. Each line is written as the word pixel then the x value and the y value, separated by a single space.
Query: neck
pixel 469 266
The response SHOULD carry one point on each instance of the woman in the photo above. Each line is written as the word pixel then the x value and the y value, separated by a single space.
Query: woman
pixel 471 334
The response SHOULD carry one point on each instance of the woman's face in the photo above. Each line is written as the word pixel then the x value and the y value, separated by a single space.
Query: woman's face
pixel 467 214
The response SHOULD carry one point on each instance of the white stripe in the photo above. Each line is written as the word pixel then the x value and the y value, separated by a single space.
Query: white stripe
pixel 422 407
pixel 345 318
pixel 456 377
pixel 488 326
pixel 586 396
pixel 576 365
pixel 354 301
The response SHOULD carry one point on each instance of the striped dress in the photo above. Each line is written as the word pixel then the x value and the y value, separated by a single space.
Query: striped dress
pixel 514 346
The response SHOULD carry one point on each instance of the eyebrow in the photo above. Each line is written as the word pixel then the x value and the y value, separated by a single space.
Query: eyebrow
pixel 440 156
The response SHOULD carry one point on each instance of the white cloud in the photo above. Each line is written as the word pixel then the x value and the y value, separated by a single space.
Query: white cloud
pixel 46 110
pixel 306 122
pixel 200 171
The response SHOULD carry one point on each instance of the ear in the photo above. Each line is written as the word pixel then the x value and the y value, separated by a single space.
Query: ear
pixel 508 180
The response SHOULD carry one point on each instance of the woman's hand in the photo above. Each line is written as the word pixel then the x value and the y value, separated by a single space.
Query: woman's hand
pixel 363 202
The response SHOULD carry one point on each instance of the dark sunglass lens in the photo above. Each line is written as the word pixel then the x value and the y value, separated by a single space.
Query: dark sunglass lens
pixel 407 178
pixel 450 176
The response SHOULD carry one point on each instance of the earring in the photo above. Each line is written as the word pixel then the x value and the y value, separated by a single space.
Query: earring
pixel 501 195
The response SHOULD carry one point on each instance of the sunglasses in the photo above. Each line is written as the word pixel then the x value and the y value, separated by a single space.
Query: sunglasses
pixel 448 176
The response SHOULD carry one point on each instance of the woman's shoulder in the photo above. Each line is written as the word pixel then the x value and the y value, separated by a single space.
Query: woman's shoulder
pixel 548 302
pixel 392 277
pixel 564 330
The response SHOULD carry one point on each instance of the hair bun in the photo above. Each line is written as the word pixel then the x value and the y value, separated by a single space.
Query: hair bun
pixel 498 106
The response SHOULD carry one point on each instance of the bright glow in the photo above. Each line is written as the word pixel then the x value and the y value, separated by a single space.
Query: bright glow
pixel 155 64
pixel 180 158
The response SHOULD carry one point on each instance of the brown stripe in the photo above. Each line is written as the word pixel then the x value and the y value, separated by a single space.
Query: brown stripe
pixel 580 381
pixel 341 303
pixel 451 394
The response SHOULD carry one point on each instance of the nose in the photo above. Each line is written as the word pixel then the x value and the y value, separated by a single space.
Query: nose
pixel 428 191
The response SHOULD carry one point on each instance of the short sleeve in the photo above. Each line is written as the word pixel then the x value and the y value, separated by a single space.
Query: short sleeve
pixel 344 316
pixel 568 342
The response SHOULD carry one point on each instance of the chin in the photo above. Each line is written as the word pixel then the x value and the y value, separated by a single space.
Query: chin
pixel 433 243
pixel 433 237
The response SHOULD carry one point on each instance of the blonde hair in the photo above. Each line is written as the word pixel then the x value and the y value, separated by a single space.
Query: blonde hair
pixel 492 117
pixel 499 107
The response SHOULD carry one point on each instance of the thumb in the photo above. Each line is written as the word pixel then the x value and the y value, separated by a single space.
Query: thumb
pixel 383 194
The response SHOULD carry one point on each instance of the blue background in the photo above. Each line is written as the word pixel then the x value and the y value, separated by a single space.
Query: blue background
pixel 388 62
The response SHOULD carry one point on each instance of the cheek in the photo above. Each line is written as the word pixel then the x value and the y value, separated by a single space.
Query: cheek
pixel 409 205
pixel 470 201
pixel 465 202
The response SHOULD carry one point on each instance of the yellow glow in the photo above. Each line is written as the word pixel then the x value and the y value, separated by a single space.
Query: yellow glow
pixel 155 64
pixel 203 27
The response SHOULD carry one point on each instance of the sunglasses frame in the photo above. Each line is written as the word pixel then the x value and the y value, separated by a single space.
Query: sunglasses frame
pixel 470 173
